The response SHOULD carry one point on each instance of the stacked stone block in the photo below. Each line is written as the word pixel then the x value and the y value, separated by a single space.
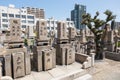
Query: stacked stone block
pixel 64 51
pixel 15 59
pixel 43 54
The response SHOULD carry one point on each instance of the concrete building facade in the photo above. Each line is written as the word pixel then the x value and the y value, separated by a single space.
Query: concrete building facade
pixel 52 25
pixel 7 13
pixel 37 12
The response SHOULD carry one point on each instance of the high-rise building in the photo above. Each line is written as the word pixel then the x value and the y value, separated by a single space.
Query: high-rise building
pixel 37 12
pixel 115 25
pixel 76 15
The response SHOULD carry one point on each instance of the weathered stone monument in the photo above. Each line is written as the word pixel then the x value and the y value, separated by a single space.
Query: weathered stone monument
pixel 15 59
pixel 110 43
pixel 83 36
pixel 44 56
pixel 64 52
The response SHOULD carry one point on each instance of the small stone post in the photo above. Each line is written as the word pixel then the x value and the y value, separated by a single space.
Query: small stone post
pixel 92 55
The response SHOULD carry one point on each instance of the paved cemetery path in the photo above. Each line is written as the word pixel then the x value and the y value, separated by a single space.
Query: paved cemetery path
pixel 106 70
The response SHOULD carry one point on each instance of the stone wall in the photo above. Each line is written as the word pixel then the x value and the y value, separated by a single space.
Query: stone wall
pixel 112 55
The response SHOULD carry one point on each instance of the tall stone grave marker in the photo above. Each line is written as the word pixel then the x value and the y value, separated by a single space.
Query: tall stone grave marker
pixel 64 55
pixel 16 60
pixel 43 53
pixel 111 44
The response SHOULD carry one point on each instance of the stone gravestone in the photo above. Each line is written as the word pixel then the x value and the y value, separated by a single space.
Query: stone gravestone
pixel 111 45
pixel 64 55
pixel 18 64
pixel 83 37
pixel 78 48
pixel 15 30
pixel 43 53
pixel 6 64
pixel 47 60
pixel 14 46
pixel 72 33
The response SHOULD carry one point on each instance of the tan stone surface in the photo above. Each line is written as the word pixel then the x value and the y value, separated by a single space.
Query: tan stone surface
pixel 106 70
pixel 41 28
pixel 65 54
pixel 62 30
pixel 15 30
pixel 59 71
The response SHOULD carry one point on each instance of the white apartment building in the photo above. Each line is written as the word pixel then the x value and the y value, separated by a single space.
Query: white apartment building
pixel 11 12
pixel 52 24
pixel 28 21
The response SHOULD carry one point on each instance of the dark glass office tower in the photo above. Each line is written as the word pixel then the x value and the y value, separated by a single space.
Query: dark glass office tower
pixel 76 15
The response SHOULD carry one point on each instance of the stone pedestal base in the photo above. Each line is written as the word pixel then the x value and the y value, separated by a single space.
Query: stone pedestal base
pixel 44 58
pixel 16 62
pixel 65 54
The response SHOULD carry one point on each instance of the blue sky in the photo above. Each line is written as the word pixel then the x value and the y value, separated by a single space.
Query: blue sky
pixel 60 9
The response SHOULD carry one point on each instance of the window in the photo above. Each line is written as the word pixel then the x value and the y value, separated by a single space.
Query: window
pixel 4 20
pixel 17 16
pixel 11 15
pixel 48 27
pixel 30 17
pixel 52 27
pixel 4 14
pixel 52 22
pixel 13 34
pixel 23 26
pixel 31 22
pixel 23 16
pixel 23 21
pixel 5 25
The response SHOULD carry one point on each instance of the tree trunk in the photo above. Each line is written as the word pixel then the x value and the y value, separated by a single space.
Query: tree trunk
pixel 99 50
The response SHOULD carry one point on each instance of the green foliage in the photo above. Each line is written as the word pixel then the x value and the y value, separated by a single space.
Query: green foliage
pixel 117 44
pixel 25 42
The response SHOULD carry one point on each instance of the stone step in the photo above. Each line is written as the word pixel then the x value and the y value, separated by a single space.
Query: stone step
pixel 71 76
pixel 69 72
pixel 6 78
pixel 85 77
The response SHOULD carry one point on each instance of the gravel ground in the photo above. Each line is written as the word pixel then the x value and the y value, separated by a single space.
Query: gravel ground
pixel 105 70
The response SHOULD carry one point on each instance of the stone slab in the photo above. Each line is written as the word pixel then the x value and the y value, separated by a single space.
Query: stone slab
pixel 6 61
pixel 47 60
pixel 27 64
pixel 56 72
pixel 69 72
pixel 85 77
pixel 18 64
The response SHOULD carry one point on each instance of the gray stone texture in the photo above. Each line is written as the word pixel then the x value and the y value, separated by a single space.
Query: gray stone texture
pixel 27 64
pixel 84 59
pixel 6 64
pixel 61 31
pixel 15 30
pixel 41 28
pixel 64 54
pixel 18 64
pixel 47 60
pixel 44 58
pixel 10 63
pixel 72 33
